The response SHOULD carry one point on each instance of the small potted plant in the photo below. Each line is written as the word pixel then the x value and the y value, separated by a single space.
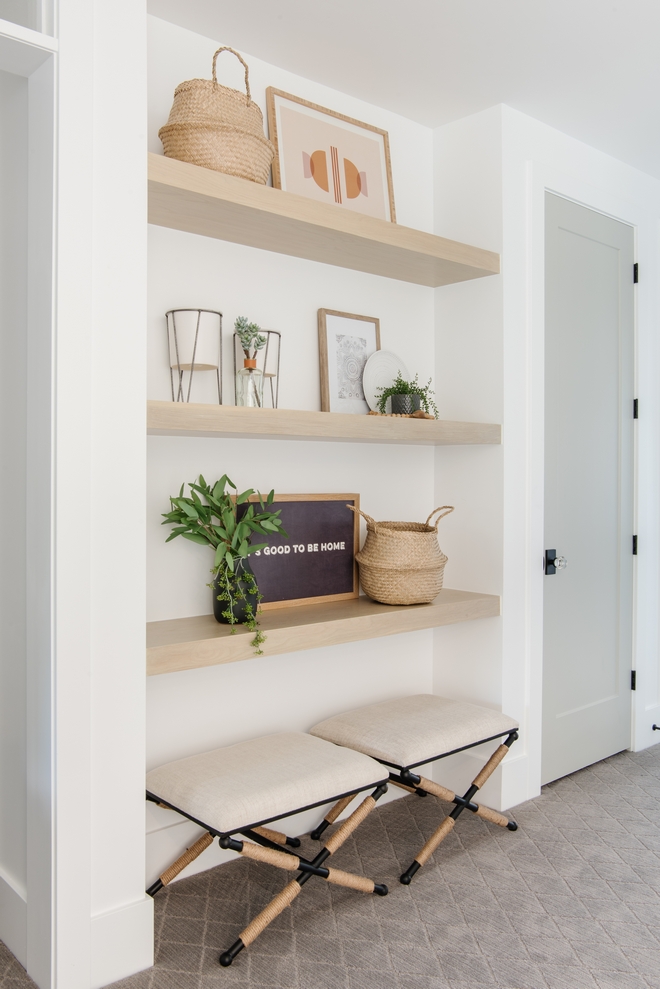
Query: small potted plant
pixel 249 380
pixel 214 516
pixel 408 397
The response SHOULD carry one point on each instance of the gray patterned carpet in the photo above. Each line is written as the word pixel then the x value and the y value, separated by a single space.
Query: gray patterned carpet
pixel 569 901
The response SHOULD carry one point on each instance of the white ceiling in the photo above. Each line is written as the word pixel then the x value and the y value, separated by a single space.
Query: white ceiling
pixel 590 68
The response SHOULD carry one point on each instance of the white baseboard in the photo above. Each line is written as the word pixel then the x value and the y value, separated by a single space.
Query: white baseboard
pixel 122 942
pixel 13 919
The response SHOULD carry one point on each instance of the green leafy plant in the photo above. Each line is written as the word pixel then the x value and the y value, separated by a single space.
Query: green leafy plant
pixel 250 336
pixel 402 387
pixel 212 516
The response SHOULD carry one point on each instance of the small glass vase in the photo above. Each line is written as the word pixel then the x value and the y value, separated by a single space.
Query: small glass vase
pixel 250 385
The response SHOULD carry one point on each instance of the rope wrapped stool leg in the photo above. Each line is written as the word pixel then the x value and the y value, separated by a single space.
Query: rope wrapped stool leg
pixel 486 813
pixel 188 856
pixel 462 803
pixel 332 816
pixel 292 863
pixel 347 827
pixel 439 835
pixel 277 837
pixel 411 789
pixel 261 922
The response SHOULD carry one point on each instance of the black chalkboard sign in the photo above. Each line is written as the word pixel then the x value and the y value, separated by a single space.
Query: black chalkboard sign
pixel 317 561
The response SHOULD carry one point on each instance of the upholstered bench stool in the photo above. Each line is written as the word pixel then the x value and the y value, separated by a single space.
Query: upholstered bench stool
pixel 413 731
pixel 240 788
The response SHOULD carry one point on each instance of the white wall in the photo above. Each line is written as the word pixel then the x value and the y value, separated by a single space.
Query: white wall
pixel 25 12
pixel 538 158
pixel 192 711
pixel 122 915
pixel 468 363
pixel 88 920
pixel 13 476
pixel 497 165
pixel 175 54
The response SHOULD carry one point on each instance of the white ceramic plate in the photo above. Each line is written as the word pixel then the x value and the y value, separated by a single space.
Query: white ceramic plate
pixel 380 371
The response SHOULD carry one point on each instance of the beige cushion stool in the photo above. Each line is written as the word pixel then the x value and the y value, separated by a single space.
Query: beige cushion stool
pixel 240 788
pixel 411 731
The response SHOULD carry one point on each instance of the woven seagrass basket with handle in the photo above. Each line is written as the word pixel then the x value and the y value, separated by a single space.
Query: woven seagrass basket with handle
pixel 401 562
pixel 218 127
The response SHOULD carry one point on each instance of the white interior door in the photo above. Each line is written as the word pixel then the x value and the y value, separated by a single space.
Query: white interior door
pixel 589 327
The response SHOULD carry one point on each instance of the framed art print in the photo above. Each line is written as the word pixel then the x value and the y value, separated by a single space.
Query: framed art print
pixel 329 157
pixel 346 342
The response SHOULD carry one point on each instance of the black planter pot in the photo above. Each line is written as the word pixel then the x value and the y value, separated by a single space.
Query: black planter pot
pixel 241 597
pixel 405 404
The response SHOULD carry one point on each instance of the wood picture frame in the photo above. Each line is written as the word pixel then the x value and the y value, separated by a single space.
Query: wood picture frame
pixel 336 567
pixel 327 156
pixel 341 361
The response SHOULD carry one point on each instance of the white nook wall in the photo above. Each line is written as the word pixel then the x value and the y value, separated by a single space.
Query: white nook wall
pixel 192 711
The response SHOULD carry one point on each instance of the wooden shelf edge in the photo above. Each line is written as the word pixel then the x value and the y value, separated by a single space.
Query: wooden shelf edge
pixel 199 200
pixel 193 643
pixel 188 419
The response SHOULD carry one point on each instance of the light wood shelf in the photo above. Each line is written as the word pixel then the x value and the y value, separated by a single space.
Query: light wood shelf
pixel 201 201
pixel 188 419
pixel 191 643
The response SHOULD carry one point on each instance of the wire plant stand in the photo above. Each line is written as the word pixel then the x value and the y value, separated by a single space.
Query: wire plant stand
pixel 193 346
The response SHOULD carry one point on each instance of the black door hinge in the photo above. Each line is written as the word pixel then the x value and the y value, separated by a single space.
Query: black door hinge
pixel 635 273
pixel 633 679
pixel 634 545
pixel 636 408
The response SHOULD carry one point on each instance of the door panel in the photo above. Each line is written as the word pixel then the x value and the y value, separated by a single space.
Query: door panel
pixel 589 310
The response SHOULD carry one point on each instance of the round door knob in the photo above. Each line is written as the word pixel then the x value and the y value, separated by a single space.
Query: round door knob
pixel 561 563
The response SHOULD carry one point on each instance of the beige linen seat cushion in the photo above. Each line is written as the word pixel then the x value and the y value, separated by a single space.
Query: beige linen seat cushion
pixel 410 731
pixel 251 782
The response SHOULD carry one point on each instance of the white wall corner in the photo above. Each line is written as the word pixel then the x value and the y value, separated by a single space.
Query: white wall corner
pixel 13 919
pixel 468 658
pixel 122 942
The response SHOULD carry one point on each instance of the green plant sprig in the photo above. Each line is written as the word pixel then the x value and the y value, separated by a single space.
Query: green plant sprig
pixel 249 335
pixel 402 387
pixel 215 521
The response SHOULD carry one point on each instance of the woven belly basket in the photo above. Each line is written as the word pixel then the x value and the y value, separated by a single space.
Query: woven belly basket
pixel 401 562
pixel 218 127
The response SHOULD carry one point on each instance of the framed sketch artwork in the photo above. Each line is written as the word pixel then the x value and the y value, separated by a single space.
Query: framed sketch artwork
pixel 346 342
pixel 329 157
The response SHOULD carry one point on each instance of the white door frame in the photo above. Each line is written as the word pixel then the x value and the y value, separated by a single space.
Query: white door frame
pixel 646 589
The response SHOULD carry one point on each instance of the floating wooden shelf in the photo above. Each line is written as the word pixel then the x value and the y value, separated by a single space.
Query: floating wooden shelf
pixel 201 201
pixel 190 643
pixel 183 419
